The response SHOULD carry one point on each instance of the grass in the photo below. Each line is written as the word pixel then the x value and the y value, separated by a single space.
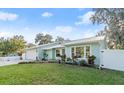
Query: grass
pixel 57 74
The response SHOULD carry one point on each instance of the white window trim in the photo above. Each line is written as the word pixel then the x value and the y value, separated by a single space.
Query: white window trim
pixel 60 52
pixel 84 49
pixel 90 50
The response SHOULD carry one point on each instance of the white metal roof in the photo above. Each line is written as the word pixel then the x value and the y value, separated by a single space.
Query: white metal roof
pixel 73 42
pixel 86 40
pixel 56 46
pixel 44 45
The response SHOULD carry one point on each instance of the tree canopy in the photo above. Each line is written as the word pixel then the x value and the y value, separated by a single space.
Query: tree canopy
pixel 28 45
pixel 16 44
pixel 59 39
pixel 113 18
pixel 43 39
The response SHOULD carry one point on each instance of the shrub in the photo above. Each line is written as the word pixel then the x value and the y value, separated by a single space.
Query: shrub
pixel 83 62
pixel 40 62
pixel 22 63
pixel 52 61
pixel 27 62
pixel 91 59
pixel 69 59
pixel 31 62
pixel 63 58
pixel 45 55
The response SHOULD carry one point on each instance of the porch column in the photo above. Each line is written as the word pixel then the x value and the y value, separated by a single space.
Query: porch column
pixel 60 51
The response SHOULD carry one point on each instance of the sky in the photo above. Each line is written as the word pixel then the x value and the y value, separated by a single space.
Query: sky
pixel 69 23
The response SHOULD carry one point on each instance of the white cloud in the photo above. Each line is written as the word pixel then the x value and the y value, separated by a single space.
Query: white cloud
pixel 46 14
pixel 5 16
pixel 6 34
pixel 64 29
pixel 88 33
pixel 84 19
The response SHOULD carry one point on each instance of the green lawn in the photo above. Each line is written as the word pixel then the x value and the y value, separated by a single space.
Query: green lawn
pixel 51 73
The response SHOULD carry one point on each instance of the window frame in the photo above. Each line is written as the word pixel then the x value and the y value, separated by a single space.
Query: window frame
pixel 57 53
pixel 85 56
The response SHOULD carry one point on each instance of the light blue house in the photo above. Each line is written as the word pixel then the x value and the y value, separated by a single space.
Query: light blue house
pixel 81 48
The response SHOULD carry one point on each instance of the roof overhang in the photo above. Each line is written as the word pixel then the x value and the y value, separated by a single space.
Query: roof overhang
pixel 56 46
pixel 86 41
pixel 73 42
pixel 42 46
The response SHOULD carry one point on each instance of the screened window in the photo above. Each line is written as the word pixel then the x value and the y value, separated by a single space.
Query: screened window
pixel 72 51
pixel 87 51
pixel 80 52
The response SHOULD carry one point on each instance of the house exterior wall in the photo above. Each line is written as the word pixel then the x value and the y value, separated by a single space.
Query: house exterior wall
pixel 49 53
pixel 94 50
pixel 103 45
pixel 53 53
pixel 68 51
pixel 40 53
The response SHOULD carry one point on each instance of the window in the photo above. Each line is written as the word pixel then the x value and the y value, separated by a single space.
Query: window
pixel 63 51
pixel 87 51
pixel 72 51
pixel 80 52
pixel 57 52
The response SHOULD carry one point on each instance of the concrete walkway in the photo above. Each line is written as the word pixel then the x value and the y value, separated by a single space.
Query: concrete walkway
pixel 4 63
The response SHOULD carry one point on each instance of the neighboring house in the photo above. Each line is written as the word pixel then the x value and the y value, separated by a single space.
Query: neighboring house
pixel 81 48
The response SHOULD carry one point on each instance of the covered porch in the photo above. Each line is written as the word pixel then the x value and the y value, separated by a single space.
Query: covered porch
pixel 51 53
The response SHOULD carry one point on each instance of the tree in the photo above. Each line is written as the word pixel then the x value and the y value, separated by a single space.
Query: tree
pixel 102 32
pixel 12 45
pixel 59 39
pixel 18 43
pixel 48 39
pixel 5 46
pixel 43 39
pixel 113 18
pixel 1 45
